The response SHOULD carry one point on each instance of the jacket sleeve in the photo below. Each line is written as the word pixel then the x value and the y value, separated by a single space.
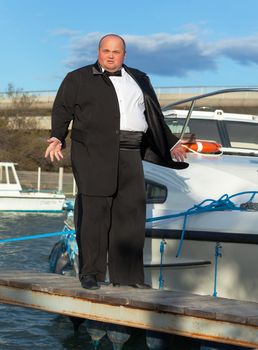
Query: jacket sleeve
pixel 63 107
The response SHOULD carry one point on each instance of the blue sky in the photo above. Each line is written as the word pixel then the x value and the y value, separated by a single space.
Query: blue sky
pixel 177 42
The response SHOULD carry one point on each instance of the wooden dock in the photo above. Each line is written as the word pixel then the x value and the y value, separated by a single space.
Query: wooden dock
pixel 202 317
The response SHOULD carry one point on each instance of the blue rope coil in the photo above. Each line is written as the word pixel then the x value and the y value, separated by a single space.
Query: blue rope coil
pixel 208 205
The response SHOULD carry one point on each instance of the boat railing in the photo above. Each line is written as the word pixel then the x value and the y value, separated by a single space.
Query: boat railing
pixel 192 100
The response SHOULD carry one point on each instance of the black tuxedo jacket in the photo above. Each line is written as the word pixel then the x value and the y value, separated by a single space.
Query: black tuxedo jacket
pixel 88 98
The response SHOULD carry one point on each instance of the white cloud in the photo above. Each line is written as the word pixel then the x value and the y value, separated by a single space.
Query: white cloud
pixel 242 50
pixel 166 54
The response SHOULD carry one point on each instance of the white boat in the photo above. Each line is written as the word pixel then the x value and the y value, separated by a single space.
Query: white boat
pixel 230 181
pixel 14 199
pixel 203 248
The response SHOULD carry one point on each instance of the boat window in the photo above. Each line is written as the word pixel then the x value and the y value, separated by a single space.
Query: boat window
pixel 242 135
pixel 199 128
pixel 2 175
pixel 6 175
pixel 11 176
pixel 155 193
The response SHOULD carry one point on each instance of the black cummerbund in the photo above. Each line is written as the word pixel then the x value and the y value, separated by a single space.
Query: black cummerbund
pixel 130 139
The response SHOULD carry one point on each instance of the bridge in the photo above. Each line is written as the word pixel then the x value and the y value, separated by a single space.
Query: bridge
pixel 39 103
pixel 166 95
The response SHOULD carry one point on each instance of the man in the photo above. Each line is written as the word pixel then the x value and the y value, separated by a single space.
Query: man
pixel 117 121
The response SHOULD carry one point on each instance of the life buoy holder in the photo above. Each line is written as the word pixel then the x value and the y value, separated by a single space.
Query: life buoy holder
pixel 203 146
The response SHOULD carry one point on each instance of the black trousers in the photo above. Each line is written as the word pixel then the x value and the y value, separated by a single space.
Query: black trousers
pixel 114 227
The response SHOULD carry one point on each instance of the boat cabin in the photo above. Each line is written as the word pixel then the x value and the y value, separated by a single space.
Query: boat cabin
pixel 9 180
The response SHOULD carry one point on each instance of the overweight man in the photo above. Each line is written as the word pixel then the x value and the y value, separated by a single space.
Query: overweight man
pixel 117 122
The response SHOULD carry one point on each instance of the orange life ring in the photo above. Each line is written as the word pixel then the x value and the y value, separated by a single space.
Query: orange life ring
pixel 203 146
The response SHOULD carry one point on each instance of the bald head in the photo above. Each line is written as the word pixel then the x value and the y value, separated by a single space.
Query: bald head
pixel 111 52
pixel 112 36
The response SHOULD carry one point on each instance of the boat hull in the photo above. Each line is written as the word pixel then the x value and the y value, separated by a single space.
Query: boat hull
pixel 32 203
pixel 14 199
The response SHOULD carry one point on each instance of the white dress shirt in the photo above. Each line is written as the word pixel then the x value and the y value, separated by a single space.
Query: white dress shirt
pixel 131 103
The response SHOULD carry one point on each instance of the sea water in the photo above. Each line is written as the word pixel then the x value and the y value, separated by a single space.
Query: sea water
pixel 29 329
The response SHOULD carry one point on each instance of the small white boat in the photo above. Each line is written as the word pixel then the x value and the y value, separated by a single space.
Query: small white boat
pixel 14 199
pixel 189 246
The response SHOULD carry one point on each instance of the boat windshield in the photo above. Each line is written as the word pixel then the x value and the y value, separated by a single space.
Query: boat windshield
pixel 203 117
pixel 196 128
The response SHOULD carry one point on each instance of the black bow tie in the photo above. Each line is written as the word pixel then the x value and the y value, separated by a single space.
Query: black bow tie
pixel 117 73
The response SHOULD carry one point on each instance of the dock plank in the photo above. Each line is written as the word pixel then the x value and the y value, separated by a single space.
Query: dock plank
pixel 199 316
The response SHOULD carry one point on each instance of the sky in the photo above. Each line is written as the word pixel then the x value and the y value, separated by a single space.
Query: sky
pixel 176 42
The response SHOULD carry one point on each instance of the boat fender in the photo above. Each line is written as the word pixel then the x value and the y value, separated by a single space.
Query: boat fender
pixel 55 254
pixel 62 262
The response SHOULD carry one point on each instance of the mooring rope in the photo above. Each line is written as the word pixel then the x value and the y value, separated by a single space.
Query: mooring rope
pixel 218 255
pixel 25 238
pixel 162 250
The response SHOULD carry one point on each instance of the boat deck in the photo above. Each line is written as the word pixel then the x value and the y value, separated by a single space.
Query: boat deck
pixel 202 317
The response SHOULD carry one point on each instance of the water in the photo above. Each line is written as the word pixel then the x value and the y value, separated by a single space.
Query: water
pixel 29 329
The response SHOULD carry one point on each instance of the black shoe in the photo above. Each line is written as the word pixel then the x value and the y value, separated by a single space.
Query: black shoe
pixel 140 286
pixel 89 282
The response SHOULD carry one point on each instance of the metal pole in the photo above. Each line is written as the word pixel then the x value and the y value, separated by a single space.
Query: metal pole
pixel 39 178
pixel 187 119
pixel 74 187
pixel 60 179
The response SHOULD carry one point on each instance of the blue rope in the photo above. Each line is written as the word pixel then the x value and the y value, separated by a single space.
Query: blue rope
pixel 223 203
pixel 161 249
pixel 41 235
pixel 182 236
pixel 208 205
pixel 218 254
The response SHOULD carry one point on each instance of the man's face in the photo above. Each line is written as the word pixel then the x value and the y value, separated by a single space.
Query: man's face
pixel 111 54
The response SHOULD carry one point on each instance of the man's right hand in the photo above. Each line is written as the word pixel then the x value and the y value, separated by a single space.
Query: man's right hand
pixel 53 150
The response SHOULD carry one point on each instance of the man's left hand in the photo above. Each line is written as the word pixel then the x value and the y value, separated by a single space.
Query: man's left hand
pixel 178 152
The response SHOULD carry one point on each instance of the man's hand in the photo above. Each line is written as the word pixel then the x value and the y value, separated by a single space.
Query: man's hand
pixel 178 152
pixel 54 149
